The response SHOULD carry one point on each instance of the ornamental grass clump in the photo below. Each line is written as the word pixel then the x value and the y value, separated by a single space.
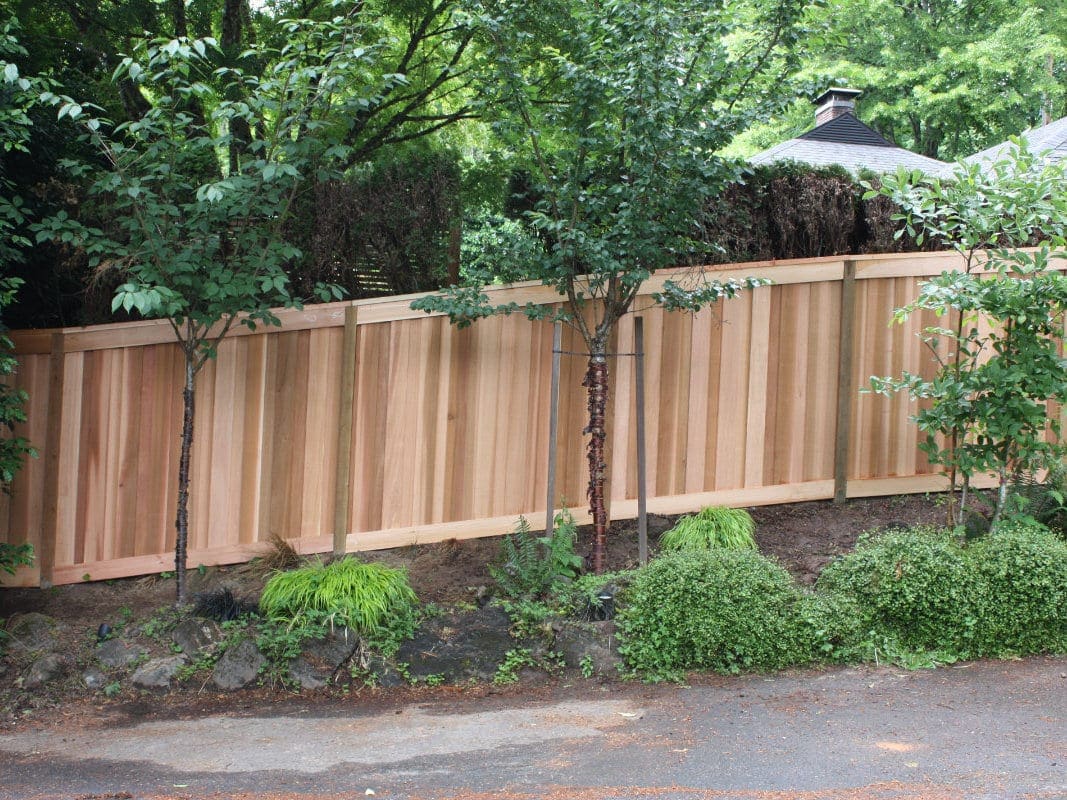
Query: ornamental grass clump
pixel 367 598
pixel 714 526
pixel 724 610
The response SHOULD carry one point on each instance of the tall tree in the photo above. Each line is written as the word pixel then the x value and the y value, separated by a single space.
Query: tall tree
pixel 940 77
pixel 620 120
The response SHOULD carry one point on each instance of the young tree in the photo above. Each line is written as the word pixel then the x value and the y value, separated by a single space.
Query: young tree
pixel 200 242
pixel 17 94
pixel 998 353
pixel 620 119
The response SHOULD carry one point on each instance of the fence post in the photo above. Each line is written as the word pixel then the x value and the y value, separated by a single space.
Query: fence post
pixel 842 435
pixel 342 479
pixel 46 549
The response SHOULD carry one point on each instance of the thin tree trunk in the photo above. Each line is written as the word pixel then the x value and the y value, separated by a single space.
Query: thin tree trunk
pixel 1002 497
pixel 596 383
pixel 182 522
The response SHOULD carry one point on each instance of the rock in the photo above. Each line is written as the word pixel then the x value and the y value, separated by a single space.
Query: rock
pixel 657 526
pixel 459 646
pixel 116 653
pixel 306 675
pixel 590 643
pixel 384 673
pixel 332 650
pixel 533 676
pixel 32 632
pixel 193 635
pixel 94 679
pixel 44 670
pixel 239 666
pixel 157 673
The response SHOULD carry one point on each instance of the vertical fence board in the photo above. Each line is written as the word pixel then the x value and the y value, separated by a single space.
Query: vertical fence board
pixel 445 428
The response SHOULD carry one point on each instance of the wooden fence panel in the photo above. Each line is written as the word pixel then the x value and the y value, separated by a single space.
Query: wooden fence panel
pixel 447 428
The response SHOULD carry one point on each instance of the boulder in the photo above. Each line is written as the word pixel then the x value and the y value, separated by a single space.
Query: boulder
pixel 460 646
pixel 158 673
pixel 239 666
pixel 193 635
pixel 94 679
pixel 384 673
pixel 32 633
pixel 118 653
pixel 44 670
pixel 306 675
pixel 592 643
pixel 332 650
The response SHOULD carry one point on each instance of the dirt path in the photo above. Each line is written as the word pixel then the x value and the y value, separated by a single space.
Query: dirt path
pixel 982 731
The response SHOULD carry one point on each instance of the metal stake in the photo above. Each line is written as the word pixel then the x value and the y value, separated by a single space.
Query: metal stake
pixel 553 424
pixel 642 513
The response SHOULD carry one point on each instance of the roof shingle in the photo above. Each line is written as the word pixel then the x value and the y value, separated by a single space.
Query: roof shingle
pixel 846 141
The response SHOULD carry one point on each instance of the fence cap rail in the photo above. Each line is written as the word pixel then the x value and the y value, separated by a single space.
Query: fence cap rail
pixel 398 307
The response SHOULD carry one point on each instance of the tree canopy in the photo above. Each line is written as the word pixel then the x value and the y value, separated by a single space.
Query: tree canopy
pixel 939 77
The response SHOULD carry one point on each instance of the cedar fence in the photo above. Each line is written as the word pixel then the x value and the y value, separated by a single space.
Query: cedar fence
pixel 397 428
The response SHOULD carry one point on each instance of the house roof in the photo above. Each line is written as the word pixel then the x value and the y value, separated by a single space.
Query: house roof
pixel 849 143
pixel 1050 139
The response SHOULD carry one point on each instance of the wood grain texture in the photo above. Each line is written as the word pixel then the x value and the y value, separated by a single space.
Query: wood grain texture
pixel 445 428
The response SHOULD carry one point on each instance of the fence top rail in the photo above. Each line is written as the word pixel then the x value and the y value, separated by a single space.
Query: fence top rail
pixel 396 308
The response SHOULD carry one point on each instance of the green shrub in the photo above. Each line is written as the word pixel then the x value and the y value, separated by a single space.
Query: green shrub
pixel 532 566
pixel 1022 607
pixel 714 526
pixel 915 586
pixel 725 610
pixel 368 598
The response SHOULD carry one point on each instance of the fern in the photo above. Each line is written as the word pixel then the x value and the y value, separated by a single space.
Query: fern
pixel 531 566
pixel 714 526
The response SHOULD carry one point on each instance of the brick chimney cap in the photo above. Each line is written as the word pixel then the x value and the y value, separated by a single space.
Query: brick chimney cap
pixel 837 93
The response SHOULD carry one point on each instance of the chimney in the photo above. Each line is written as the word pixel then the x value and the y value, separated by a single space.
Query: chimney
pixel 834 102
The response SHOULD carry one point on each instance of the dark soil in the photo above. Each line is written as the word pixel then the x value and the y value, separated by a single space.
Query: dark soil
pixel 803 537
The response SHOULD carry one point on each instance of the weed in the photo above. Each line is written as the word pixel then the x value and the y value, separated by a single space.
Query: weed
pixel 162 622
pixel 529 618
pixel 113 689
pixel 514 660
pixel 587 667
pixel 281 557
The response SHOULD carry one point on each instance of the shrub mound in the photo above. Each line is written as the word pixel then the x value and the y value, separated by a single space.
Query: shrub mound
pixel 1022 607
pixel 915 586
pixel 916 596
pixel 1006 593
pixel 719 609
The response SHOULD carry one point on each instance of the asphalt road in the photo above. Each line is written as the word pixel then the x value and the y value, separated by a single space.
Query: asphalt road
pixel 970 732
